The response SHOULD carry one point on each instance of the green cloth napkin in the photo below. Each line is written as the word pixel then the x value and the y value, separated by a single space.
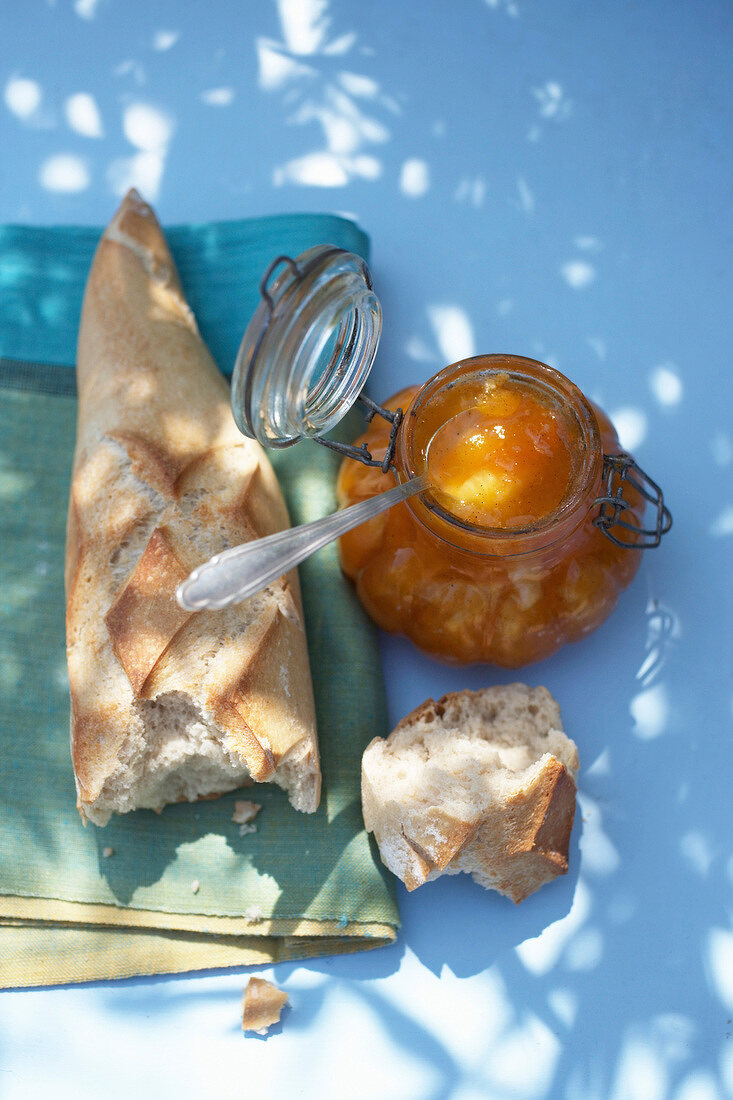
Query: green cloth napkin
pixel 182 890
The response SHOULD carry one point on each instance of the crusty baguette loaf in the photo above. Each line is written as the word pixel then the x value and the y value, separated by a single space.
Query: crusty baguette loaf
pixel 482 782
pixel 169 706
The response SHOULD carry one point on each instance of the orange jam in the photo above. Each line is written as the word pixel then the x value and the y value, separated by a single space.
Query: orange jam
pixel 500 560
pixel 500 456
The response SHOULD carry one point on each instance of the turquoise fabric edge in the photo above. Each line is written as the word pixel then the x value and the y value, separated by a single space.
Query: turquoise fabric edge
pixel 43 272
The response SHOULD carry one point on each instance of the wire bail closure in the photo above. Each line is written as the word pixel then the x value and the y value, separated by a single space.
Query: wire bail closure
pixel 265 280
pixel 619 470
pixel 363 454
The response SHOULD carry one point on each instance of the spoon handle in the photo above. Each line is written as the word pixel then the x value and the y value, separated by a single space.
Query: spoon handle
pixel 235 574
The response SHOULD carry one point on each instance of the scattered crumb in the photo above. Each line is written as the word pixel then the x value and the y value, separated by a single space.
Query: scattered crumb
pixel 195 886
pixel 107 852
pixel 244 812
pixel 244 829
pixel 253 913
pixel 263 1003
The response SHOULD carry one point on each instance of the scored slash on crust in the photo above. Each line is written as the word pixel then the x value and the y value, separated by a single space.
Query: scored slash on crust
pixel 145 617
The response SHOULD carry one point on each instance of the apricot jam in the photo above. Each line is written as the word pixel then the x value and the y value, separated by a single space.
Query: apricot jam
pixel 500 456
pixel 500 560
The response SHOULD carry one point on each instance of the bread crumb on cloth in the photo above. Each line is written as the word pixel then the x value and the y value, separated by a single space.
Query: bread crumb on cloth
pixel 263 1003
pixel 245 811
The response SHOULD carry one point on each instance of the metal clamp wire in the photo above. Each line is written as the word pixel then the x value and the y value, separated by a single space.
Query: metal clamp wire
pixel 363 454
pixel 613 504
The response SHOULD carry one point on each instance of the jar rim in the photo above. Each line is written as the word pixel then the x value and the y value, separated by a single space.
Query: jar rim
pixel 582 488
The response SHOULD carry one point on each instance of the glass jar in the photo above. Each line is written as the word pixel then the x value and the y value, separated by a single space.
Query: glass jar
pixel 490 574
pixel 466 592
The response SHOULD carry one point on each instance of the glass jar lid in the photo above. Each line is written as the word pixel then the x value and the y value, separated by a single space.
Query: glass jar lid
pixel 308 349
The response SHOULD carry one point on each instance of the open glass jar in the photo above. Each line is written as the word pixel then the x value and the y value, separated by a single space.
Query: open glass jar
pixel 508 594
pixel 534 518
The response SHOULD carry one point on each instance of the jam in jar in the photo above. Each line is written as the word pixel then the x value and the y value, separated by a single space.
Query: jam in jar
pixel 500 560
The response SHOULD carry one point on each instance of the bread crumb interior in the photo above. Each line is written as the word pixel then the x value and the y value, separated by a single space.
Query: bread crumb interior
pixel 173 754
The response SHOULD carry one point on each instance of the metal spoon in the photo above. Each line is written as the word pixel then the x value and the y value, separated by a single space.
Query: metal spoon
pixel 235 574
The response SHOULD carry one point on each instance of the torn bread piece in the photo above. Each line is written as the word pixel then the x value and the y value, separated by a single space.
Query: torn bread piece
pixel 481 782
pixel 166 705
pixel 263 1004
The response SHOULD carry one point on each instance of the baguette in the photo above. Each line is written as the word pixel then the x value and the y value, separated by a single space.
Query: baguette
pixel 481 782
pixel 166 705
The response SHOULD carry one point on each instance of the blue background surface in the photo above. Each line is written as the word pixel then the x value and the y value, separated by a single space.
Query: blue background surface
pixel 551 179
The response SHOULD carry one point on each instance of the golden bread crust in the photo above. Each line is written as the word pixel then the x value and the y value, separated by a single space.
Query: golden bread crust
pixel 262 1006
pixel 162 479
pixel 481 782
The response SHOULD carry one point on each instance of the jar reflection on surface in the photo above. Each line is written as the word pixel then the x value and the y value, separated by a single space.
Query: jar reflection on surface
pixel 469 594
